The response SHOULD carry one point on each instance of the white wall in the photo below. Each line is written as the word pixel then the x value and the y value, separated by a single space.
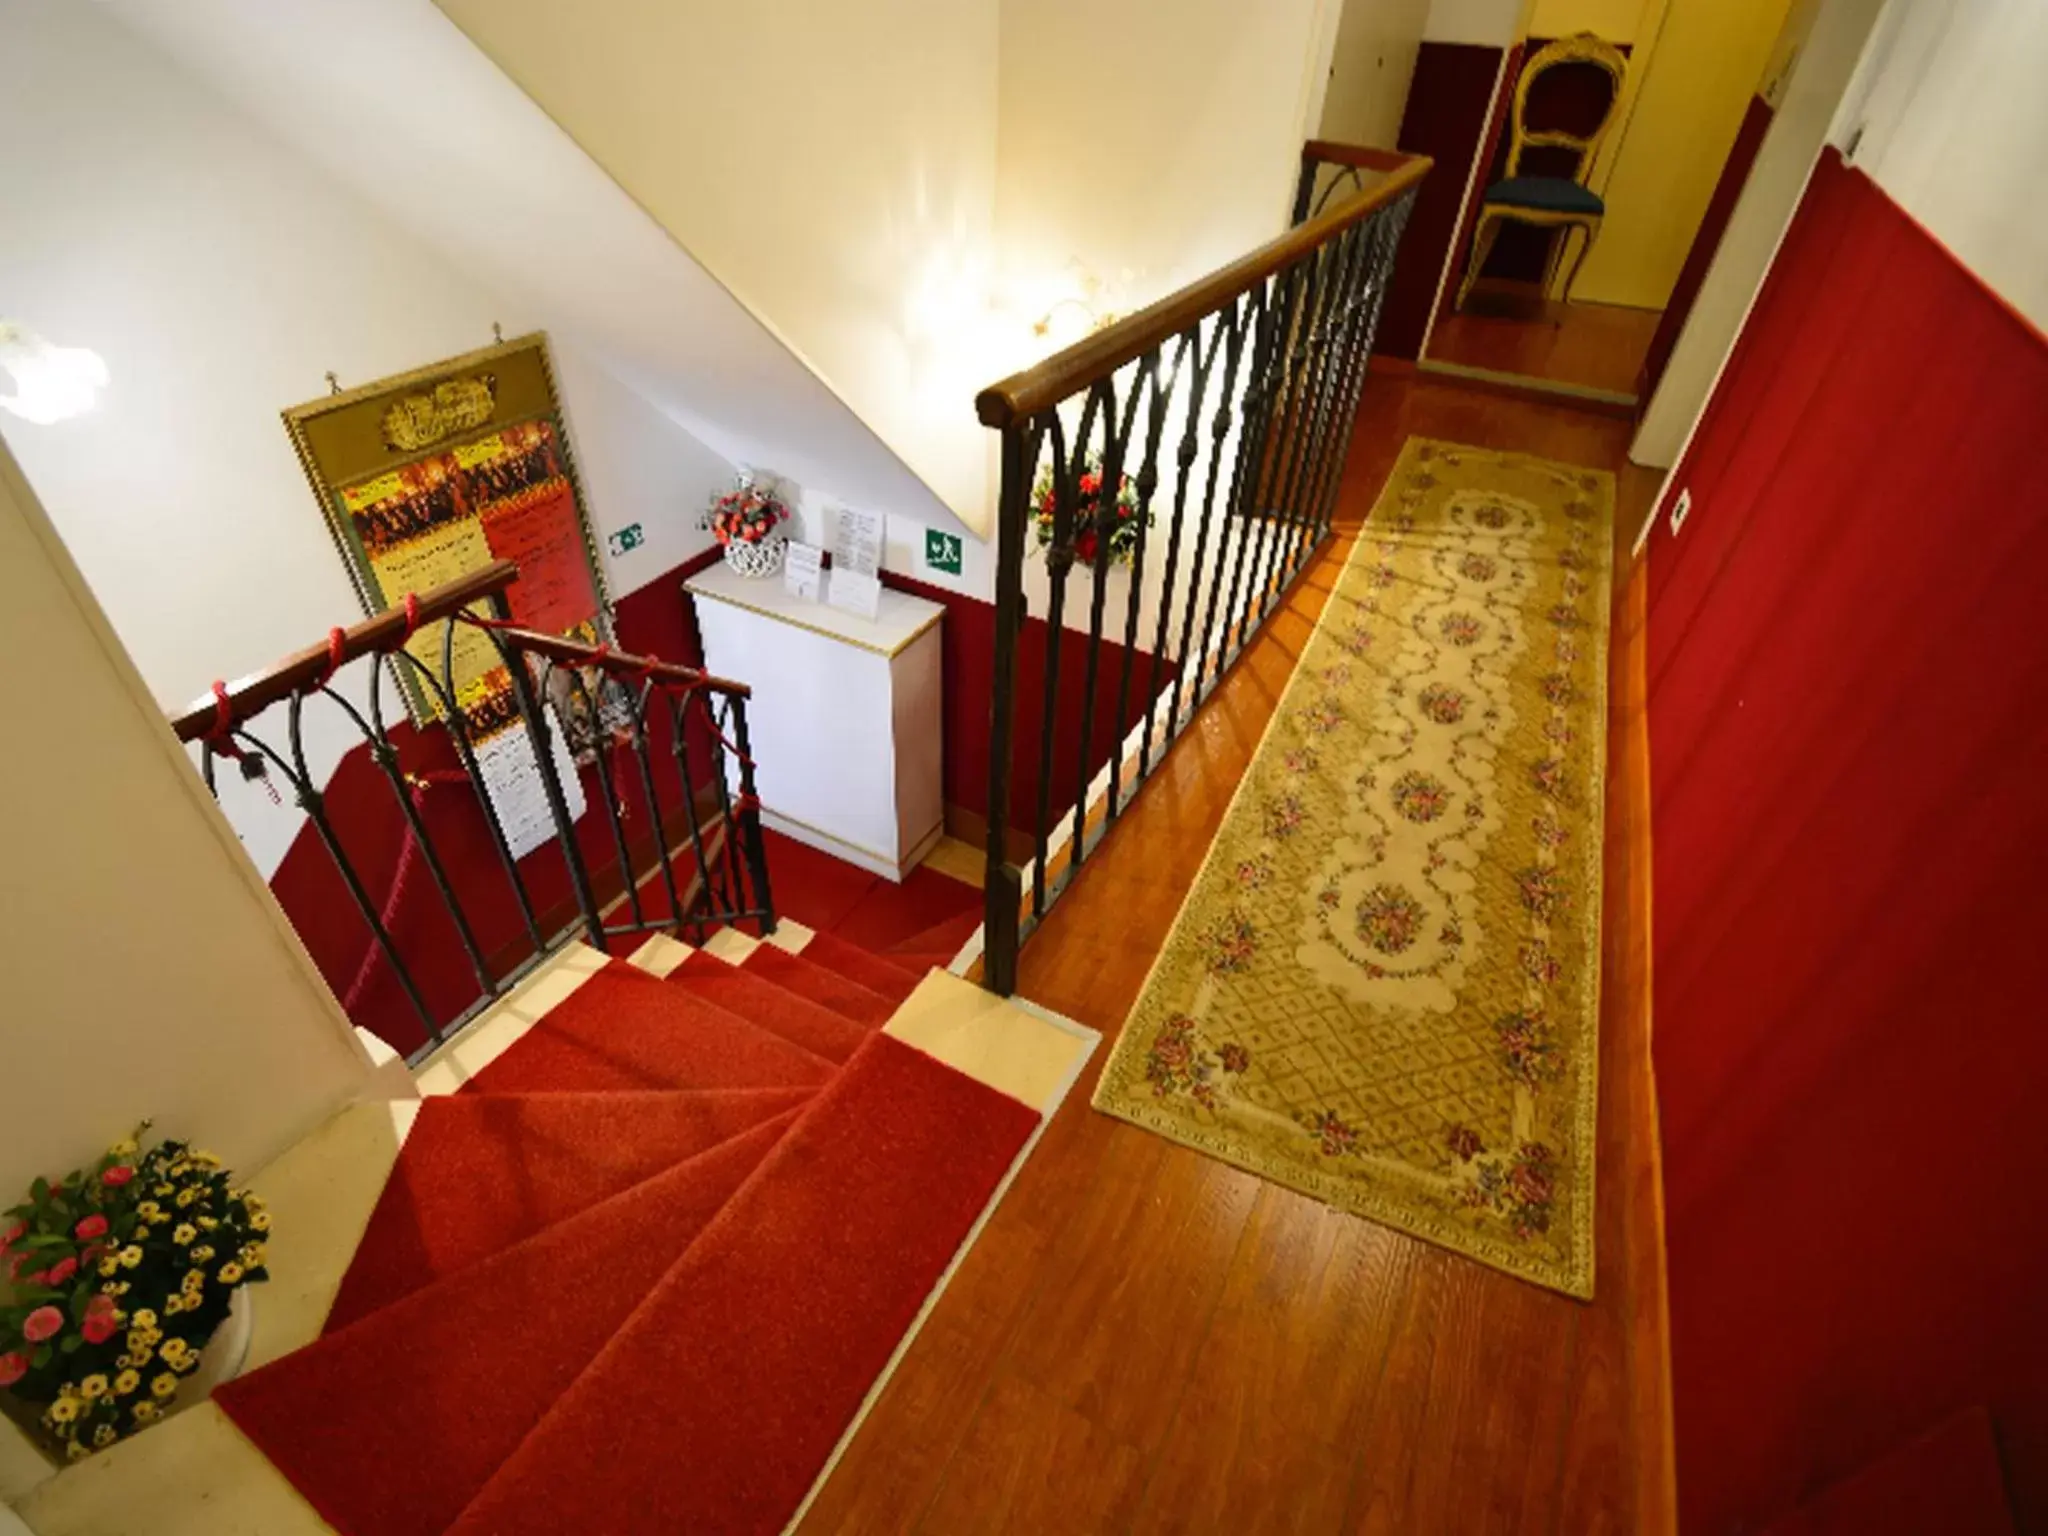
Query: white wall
pixel 398 105
pixel 148 972
pixel 1953 123
pixel 221 276
pixel 1370 69
pixel 1143 145
pixel 832 164
pixel 1832 37
pixel 1495 23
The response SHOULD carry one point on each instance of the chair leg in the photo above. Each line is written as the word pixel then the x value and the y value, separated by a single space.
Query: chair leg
pixel 1482 247
pixel 1591 228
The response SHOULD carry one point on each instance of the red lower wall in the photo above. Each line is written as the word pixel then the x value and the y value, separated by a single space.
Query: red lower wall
pixel 1849 732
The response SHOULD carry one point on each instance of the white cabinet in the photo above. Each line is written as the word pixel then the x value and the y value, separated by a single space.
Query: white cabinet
pixel 844 720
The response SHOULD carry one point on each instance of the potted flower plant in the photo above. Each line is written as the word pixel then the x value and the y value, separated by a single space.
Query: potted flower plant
pixel 747 522
pixel 114 1281
pixel 1085 528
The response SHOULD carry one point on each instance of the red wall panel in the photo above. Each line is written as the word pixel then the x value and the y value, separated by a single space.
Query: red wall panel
pixel 1849 727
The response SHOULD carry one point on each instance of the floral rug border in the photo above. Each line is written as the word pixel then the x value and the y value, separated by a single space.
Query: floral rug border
pixel 1576 1278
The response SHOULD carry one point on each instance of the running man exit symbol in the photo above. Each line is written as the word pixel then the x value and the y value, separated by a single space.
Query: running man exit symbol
pixel 942 551
pixel 628 537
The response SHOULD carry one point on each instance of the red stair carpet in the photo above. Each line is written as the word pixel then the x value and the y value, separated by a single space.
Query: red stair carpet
pixel 641 1273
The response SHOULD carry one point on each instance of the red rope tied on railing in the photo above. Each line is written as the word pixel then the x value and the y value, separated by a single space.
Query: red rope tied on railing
pixel 412 614
pixel 337 638
pixel 222 737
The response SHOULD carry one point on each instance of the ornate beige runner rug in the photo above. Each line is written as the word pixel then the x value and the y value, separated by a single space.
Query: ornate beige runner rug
pixel 1383 989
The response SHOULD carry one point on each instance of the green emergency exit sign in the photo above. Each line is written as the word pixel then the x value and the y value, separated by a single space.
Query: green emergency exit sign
pixel 942 551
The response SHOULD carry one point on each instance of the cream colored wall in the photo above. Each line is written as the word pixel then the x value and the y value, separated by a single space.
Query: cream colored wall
pixel 1708 60
pixel 1370 67
pixel 147 971
pixel 1144 144
pixel 833 165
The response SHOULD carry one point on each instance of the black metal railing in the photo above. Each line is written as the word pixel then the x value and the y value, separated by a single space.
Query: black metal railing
pixel 516 872
pixel 1246 384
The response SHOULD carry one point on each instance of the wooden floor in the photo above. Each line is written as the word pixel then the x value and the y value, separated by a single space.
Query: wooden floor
pixel 1146 1340
pixel 1593 346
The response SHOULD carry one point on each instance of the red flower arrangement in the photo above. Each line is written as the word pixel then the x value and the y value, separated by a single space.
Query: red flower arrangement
pixel 1086 529
pixel 746 514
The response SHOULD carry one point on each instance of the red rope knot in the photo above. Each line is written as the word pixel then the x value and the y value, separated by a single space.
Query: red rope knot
pixel 337 638
pixel 222 737
pixel 412 614
pixel 747 803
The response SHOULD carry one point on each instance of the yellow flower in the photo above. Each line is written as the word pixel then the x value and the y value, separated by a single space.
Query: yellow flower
pixel 203 1254
pixel 187 1196
pixel 75 1451
pixel 109 1265
pixel 123 1149
pixel 63 1411
pixel 184 1232
pixel 144 1411
pixel 131 1255
pixel 93 1386
pixel 141 1347
pixel 231 1273
pixel 187 1364
pixel 118 1288
pixel 173 1305
pixel 149 1210
pixel 179 1168
pixel 141 1318
pixel 163 1191
pixel 205 1159
pixel 127 1381
pixel 207 1223
pixel 253 1255
pixel 164 1385
pixel 259 1221
pixel 174 1350
pixel 104 1436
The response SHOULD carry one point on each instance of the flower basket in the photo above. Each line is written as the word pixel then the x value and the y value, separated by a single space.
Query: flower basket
pixel 117 1279
pixel 1088 540
pixel 748 523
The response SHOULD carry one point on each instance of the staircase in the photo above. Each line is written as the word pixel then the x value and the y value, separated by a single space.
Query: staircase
pixel 642 1252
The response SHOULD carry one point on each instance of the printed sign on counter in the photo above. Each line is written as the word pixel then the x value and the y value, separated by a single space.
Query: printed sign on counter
pixel 856 584
pixel 803 568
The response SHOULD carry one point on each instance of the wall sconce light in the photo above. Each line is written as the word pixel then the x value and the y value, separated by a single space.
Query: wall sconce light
pixel 51 383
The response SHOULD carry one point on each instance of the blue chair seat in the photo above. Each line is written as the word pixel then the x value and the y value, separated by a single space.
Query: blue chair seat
pixel 1547 194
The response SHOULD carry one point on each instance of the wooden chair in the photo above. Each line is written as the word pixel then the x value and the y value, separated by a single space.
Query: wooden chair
pixel 1553 202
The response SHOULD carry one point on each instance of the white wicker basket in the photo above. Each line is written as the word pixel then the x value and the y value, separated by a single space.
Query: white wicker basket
pixel 762 559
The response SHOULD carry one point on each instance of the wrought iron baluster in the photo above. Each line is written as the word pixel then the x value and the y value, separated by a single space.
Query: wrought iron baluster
pixel 1107 496
pixel 1284 444
pixel 728 855
pixel 540 734
pixel 1237 322
pixel 1002 884
pixel 1184 459
pixel 1147 483
pixel 314 803
pixel 637 704
pixel 755 845
pixel 1249 504
pixel 1059 555
pixel 1313 442
pixel 601 760
pixel 1240 506
pixel 679 745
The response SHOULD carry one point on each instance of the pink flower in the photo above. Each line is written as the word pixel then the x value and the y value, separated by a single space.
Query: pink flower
pixel 43 1323
pixel 99 1327
pixel 12 1368
pixel 91 1226
pixel 117 1175
pixel 7 1241
pixel 100 1303
pixel 61 1271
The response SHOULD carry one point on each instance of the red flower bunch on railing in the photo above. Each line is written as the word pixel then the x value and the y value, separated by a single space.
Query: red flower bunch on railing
pixel 746 514
pixel 1086 531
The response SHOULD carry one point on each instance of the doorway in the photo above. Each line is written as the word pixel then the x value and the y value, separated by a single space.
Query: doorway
pixel 1621 134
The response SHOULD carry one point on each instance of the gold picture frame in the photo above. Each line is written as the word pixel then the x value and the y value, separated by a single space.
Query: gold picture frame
pixel 429 474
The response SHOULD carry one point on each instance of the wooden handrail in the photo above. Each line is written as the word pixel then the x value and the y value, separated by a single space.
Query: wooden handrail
pixel 636 668
pixel 1330 152
pixel 386 631
pixel 1096 357
pixel 250 696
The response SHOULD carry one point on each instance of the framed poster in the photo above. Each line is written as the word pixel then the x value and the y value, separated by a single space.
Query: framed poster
pixel 433 474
